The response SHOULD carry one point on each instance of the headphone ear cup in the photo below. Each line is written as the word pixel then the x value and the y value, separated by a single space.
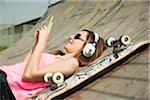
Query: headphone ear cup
pixel 88 50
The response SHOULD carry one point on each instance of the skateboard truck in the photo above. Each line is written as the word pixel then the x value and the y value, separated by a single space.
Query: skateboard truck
pixel 56 79
pixel 118 45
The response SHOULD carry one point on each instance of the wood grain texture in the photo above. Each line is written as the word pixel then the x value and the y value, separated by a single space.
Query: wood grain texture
pixel 108 18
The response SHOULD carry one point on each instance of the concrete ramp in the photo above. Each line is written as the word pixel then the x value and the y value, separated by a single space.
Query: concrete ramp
pixel 107 18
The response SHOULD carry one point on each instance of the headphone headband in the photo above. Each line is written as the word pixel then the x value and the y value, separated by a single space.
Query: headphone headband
pixel 96 37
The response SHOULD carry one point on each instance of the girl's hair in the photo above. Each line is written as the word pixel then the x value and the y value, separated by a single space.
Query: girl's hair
pixel 83 61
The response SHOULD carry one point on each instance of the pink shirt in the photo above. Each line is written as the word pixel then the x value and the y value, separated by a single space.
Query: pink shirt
pixel 21 88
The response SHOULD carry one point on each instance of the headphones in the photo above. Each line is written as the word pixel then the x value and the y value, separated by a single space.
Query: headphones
pixel 90 48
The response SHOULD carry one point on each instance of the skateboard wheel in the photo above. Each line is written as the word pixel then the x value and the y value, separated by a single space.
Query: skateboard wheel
pixel 58 78
pixel 109 41
pixel 47 77
pixel 125 39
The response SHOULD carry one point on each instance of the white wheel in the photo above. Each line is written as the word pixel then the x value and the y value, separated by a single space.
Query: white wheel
pixel 58 78
pixel 109 41
pixel 125 39
pixel 47 77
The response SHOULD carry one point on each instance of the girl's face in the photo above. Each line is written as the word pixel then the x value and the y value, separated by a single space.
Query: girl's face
pixel 76 42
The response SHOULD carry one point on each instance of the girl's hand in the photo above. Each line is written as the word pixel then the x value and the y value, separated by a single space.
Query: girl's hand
pixel 43 32
pixel 36 37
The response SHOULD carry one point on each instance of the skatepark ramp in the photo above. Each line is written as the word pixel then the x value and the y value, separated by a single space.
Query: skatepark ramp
pixel 108 19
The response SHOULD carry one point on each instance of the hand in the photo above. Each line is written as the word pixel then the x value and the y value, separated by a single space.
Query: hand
pixel 36 37
pixel 43 32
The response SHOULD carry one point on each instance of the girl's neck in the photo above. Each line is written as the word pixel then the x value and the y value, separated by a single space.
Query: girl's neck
pixel 70 54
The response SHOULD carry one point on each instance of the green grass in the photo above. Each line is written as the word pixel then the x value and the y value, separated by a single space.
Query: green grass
pixel 2 48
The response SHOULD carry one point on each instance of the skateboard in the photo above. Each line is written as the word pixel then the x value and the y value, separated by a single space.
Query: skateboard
pixel 122 50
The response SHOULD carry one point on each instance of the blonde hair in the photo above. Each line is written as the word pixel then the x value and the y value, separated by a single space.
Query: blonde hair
pixel 83 61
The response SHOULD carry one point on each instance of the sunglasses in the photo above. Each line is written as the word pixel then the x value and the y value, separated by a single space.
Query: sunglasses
pixel 78 36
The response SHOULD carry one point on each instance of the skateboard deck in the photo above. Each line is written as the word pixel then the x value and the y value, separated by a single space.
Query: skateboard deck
pixel 92 72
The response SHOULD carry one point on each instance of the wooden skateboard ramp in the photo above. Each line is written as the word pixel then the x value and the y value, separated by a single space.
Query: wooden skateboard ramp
pixel 107 18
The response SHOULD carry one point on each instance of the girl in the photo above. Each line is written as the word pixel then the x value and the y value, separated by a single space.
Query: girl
pixel 24 79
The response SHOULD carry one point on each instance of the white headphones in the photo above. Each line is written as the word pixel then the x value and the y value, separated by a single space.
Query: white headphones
pixel 90 48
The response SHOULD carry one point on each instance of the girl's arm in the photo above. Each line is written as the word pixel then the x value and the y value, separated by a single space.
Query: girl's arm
pixel 33 63
pixel 34 73
pixel 34 59
pixel 65 66
pixel 26 59
pixel 48 25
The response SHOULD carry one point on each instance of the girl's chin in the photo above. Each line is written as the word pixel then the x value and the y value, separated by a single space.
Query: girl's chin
pixel 66 47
